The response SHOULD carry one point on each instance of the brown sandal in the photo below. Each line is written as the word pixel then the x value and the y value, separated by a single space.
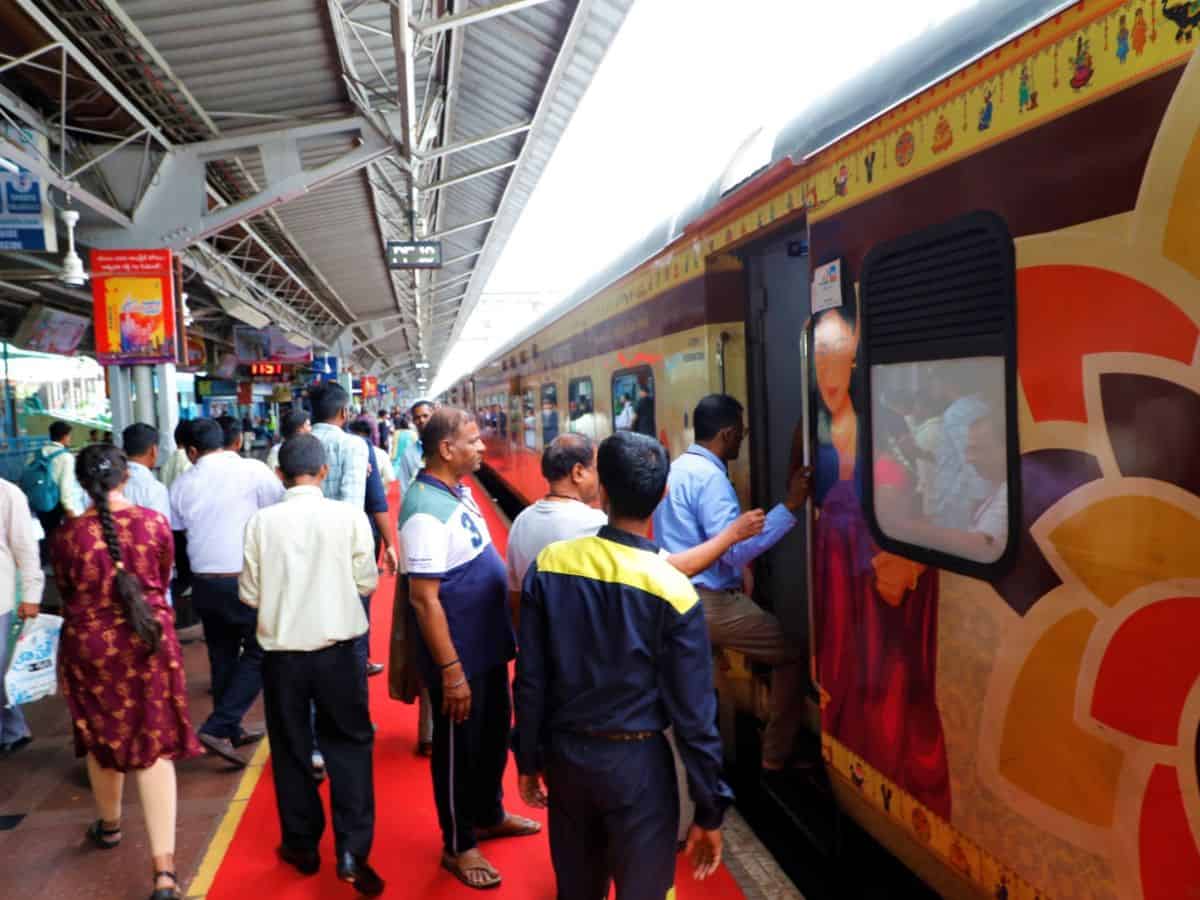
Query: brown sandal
pixel 461 868
pixel 510 826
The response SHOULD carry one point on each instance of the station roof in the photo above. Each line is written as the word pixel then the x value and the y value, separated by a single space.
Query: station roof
pixel 334 125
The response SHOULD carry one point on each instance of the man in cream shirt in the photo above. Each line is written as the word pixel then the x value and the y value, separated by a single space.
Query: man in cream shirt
pixel 19 568
pixel 308 562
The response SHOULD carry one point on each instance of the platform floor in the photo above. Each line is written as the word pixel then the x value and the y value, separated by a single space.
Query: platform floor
pixel 45 805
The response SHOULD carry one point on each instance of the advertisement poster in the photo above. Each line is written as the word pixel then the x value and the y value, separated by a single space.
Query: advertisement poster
pixel 134 306
pixel 197 355
pixel 268 344
pixel 50 331
pixel 370 387
pixel 26 219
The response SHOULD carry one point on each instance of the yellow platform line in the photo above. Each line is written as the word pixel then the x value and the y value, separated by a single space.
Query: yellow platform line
pixel 223 837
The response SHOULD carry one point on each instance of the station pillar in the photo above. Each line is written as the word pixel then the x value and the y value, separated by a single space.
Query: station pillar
pixel 143 396
pixel 120 391
pixel 167 401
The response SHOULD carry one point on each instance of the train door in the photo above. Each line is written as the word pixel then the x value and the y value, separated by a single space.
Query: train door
pixel 778 280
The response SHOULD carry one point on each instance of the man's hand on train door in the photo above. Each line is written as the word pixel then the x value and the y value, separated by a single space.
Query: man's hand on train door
pixel 799 486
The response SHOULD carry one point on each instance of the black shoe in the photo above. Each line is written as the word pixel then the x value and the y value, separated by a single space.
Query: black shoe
pixel 359 873
pixel 246 738
pixel 222 747
pixel 307 862
pixel 374 669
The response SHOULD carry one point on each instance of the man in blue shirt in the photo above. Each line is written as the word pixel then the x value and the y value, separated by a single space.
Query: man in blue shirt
pixel 700 503
pixel 613 650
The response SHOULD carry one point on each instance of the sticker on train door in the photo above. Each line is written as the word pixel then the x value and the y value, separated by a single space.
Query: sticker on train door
pixel 827 286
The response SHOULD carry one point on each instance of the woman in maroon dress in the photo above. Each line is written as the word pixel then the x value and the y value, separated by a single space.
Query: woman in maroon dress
pixel 122 668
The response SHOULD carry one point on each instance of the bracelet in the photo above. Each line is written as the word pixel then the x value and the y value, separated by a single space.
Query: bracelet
pixel 453 662
pixel 456 684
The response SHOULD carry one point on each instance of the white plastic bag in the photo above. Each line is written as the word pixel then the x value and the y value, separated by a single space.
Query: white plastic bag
pixel 33 669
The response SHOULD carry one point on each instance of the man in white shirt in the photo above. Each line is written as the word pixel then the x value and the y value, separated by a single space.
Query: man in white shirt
pixel 307 563
pixel 21 567
pixel 210 506
pixel 140 443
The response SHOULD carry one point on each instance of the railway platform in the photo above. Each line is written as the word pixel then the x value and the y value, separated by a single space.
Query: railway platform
pixel 228 827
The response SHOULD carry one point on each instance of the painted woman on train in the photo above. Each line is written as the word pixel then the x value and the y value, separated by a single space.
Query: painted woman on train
pixel 874 613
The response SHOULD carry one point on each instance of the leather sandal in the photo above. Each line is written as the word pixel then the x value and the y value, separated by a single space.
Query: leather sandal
pixel 102 837
pixel 167 893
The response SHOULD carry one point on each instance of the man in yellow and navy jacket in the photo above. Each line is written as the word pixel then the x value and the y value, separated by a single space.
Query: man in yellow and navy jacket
pixel 613 649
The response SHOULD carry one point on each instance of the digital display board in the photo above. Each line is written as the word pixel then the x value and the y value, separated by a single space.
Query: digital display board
pixel 414 254
pixel 266 368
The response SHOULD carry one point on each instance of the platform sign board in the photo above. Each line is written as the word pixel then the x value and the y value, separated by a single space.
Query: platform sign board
pixel 268 344
pixel 414 254
pixel 325 368
pixel 26 217
pixel 133 306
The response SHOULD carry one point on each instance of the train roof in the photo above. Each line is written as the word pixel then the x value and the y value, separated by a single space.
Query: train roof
pixel 911 68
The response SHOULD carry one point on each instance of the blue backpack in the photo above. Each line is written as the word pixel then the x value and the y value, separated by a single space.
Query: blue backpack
pixel 38 484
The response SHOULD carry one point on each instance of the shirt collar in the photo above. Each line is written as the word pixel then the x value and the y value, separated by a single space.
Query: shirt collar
pixel 617 536
pixel 325 426
pixel 136 468
pixel 302 490
pixel 697 450
pixel 428 479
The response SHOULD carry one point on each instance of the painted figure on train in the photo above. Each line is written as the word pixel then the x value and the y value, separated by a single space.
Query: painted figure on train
pixel 1186 17
pixel 874 613
pixel 1084 69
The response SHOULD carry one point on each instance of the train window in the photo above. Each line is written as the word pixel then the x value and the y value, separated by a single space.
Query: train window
pixel 529 419
pixel 633 400
pixel 939 346
pixel 549 413
pixel 581 407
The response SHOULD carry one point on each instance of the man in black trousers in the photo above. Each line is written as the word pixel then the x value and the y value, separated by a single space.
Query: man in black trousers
pixel 307 562
pixel 613 650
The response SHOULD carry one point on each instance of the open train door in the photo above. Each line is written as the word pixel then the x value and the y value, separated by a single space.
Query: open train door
pixel 777 272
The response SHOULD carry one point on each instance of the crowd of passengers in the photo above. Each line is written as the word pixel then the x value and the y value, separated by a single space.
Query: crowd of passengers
pixel 612 632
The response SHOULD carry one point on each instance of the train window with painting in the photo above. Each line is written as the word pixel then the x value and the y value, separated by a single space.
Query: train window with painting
pixel 529 418
pixel 939 347
pixel 581 407
pixel 549 413
pixel 633 401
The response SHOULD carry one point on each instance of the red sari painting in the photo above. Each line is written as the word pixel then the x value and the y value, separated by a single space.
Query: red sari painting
pixel 874 613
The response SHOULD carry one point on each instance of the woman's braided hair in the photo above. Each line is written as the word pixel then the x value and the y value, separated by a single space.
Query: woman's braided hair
pixel 100 469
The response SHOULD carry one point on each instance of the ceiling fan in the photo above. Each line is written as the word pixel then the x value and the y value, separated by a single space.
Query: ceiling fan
pixel 70 272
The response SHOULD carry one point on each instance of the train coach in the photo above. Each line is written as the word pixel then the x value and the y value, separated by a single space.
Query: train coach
pixel 966 288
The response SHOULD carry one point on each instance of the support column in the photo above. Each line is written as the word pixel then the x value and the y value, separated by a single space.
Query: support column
pixel 121 399
pixel 167 403
pixel 143 394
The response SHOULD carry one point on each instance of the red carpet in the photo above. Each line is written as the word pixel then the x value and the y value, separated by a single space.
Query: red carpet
pixel 407 842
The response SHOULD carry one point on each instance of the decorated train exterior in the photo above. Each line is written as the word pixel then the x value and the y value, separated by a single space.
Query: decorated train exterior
pixel 1019 231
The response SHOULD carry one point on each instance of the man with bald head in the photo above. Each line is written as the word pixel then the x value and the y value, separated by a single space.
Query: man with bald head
pixel 465 642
